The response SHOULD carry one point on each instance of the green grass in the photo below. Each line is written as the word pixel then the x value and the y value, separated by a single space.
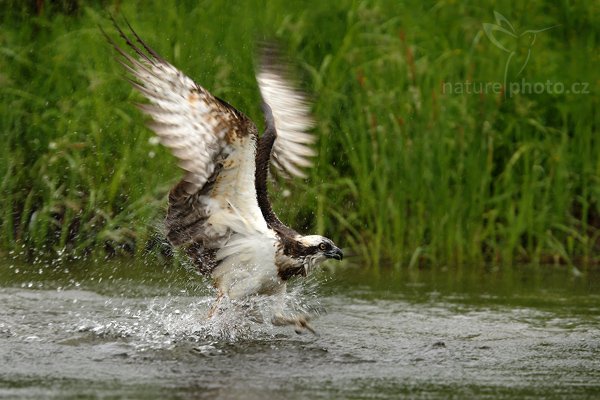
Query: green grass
pixel 407 174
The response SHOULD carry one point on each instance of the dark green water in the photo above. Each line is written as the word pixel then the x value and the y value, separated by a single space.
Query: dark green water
pixel 114 330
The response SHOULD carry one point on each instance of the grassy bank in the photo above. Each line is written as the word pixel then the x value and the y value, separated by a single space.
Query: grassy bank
pixel 414 167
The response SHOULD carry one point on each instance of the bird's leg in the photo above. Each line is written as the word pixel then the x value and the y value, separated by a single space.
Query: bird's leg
pixel 215 306
pixel 302 324
pixel 300 321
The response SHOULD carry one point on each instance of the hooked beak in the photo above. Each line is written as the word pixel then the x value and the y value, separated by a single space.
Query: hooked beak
pixel 335 253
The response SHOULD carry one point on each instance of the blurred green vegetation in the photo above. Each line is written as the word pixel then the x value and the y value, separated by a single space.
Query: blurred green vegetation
pixel 408 172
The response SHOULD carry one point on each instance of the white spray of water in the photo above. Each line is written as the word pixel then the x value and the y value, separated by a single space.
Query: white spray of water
pixel 167 320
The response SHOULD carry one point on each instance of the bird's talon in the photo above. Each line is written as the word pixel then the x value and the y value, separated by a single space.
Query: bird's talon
pixel 301 323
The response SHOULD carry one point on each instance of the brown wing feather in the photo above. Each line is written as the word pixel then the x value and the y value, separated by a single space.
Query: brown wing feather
pixel 200 130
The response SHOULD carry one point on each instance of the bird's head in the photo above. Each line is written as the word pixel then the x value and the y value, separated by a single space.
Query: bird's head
pixel 316 249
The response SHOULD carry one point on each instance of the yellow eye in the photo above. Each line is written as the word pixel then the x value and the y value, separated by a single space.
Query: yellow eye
pixel 322 246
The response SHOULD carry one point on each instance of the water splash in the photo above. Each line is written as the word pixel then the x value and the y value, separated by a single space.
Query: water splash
pixel 165 321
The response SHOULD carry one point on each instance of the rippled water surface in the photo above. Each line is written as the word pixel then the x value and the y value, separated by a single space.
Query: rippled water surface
pixel 117 330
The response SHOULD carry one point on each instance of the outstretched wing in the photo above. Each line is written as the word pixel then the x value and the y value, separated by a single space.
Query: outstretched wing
pixel 292 149
pixel 188 120
pixel 215 145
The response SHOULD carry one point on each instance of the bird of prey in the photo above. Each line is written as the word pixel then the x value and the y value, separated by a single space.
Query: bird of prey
pixel 220 211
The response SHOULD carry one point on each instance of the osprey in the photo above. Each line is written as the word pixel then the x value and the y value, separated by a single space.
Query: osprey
pixel 220 211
